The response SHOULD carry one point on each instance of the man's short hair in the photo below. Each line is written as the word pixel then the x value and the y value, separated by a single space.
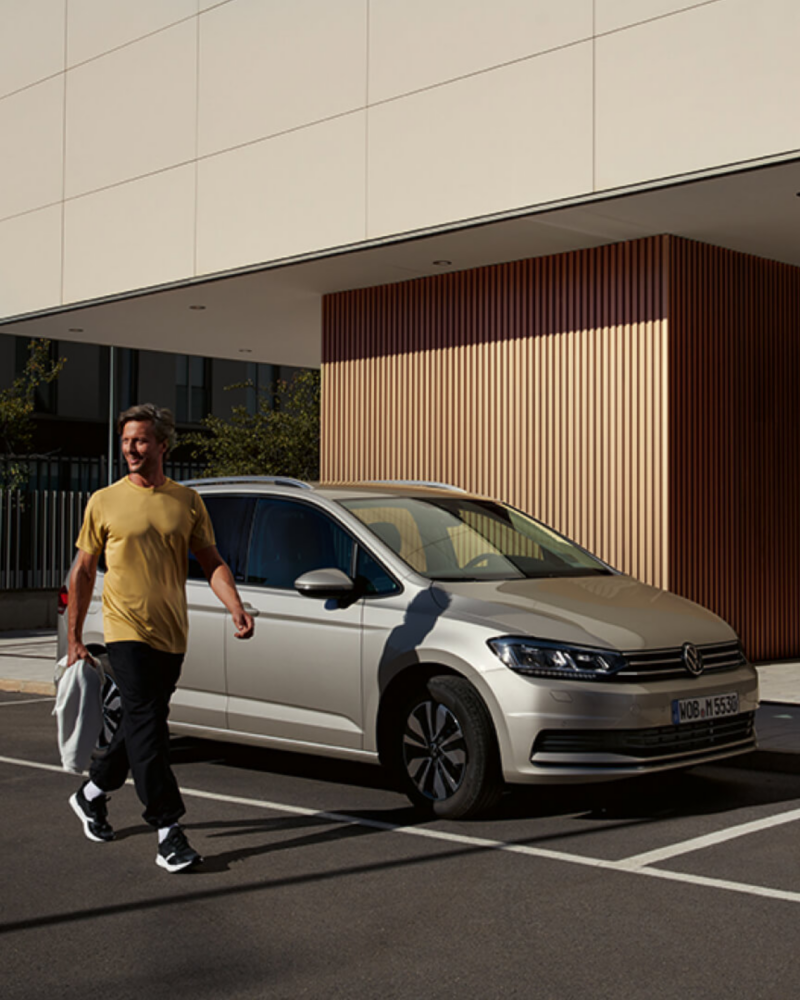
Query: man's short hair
pixel 159 416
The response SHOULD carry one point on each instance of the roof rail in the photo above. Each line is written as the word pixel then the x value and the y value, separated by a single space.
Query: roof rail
pixel 222 480
pixel 419 482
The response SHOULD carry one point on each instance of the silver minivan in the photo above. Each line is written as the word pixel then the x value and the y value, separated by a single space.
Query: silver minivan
pixel 454 639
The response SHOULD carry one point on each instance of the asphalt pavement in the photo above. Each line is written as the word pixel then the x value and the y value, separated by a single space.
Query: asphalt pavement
pixel 320 881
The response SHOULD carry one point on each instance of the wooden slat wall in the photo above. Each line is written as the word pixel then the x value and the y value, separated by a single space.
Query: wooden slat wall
pixel 541 382
pixel 734 468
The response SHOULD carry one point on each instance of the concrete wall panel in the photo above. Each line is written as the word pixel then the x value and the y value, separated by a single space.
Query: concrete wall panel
pixel 31 164
pixel 132 112
pixel 295 193
pixel 484 144
pixel 98 26
pixel 611 15
pixel 269 67
pixel 130 236
pixel 31 42
pixel 417 44
pixel 30 261
pixel 710 86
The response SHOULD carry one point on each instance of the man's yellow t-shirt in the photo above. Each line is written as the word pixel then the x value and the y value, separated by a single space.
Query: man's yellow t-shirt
pixel 147 533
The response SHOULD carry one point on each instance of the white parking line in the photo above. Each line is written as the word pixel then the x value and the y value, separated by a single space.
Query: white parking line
pixel 537 852
pixel 630 866
pixel 710 839
pixel 26 701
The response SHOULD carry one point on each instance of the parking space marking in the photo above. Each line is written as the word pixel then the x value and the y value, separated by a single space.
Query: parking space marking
pixel 709 839
pixel 628 866
pixel 715 883
pixel 26 701
pixel 524 849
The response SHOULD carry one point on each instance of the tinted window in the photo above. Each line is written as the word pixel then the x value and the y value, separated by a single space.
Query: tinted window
pixel 231 517
pixel 290 539
pixel 371 576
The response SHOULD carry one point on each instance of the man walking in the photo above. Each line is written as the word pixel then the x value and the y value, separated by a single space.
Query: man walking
pixel 146 524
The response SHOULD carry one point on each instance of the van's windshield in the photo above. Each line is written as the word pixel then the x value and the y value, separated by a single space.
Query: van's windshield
pixel 467 539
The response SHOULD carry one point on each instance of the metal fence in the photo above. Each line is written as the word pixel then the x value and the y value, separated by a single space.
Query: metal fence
pixel 37 536
pixel 40 523
pixel 61 472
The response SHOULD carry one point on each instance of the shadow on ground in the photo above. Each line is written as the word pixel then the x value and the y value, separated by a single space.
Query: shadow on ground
pixel 702 791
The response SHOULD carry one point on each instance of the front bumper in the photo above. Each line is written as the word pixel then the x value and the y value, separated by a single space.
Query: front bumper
pixel 642 748
pixel 591 731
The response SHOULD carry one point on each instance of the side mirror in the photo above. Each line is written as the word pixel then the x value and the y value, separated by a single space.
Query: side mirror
pixel 325 584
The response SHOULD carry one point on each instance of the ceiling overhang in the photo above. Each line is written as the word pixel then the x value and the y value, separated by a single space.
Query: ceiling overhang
pixel 273 313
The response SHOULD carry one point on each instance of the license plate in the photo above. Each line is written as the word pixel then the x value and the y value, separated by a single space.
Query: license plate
pixel 715 706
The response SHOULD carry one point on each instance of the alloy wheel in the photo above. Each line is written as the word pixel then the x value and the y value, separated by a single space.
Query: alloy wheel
pixel 434 750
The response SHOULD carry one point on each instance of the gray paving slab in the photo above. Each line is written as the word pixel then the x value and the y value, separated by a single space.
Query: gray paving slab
pixel 780 682
pixel 27 661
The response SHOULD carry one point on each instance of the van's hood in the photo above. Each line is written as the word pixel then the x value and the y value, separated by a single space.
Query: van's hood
pixel 612 612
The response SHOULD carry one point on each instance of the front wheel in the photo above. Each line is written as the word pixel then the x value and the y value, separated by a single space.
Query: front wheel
pixel 445 750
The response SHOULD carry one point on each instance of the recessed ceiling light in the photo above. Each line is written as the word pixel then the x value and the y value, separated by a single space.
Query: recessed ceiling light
pixel 75 329
pixel 198 308
pixel 442 263
pixel 245 350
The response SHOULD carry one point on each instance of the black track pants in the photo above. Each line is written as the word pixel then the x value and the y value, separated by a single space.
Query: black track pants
pixel 146 678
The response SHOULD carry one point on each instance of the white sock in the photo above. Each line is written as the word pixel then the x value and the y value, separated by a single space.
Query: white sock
pixel 164 832
pixel 91 791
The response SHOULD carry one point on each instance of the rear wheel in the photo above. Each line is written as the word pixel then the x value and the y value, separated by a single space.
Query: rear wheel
pixel 445 750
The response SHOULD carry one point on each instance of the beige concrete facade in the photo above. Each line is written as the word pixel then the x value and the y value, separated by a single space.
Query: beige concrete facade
pixel 207 176
pixel 155 142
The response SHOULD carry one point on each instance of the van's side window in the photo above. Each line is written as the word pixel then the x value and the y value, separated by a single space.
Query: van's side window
pixel 290 539
pixel 232 518
pixel 371 576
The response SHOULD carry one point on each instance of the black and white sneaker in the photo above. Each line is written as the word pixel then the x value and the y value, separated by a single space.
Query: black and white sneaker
pixel 174 852
pixel 93 815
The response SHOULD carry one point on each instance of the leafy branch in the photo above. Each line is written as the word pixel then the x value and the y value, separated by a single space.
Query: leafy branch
pixel 281 438
pixel 17 403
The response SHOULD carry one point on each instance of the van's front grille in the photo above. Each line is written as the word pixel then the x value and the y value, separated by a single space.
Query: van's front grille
pixel 667 664
pixel 647 744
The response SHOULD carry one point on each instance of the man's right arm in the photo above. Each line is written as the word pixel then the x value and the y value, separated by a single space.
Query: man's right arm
pixel 81 585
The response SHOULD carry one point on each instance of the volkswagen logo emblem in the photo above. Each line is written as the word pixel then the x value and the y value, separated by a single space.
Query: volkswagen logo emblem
pixel 692 659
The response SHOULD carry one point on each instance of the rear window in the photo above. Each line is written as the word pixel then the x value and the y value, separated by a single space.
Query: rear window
pixel 232 518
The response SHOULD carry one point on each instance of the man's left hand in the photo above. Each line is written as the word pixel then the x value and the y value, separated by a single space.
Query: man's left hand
pixel 245 626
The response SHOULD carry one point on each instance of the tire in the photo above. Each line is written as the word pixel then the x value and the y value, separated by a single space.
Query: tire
pixel 445 750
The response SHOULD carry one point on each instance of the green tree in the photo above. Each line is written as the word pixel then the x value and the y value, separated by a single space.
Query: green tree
pixel 16 411
pixel 280 439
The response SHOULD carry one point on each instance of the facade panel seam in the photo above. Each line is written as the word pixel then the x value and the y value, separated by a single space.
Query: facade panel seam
pixel 30 86
pixel 63 268
pixel 657 17
pixel 130 42
pixel 195 218
pixel 482 72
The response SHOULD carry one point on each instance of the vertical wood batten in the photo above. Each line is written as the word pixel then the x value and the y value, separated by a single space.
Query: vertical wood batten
pixel 735 434
pixel 538 382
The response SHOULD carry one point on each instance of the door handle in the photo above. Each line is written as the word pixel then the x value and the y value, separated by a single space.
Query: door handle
pixel 253 612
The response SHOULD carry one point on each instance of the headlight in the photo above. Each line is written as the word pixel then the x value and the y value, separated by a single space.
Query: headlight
pixel 549 659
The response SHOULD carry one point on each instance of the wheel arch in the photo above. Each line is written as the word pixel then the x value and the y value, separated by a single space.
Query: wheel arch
pixel 400 688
